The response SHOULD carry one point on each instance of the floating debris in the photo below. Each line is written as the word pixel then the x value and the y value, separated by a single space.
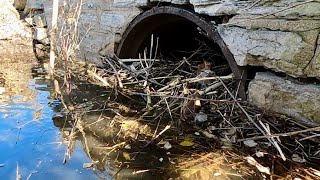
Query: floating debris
pixel 167 146
pixel 250 143
pixel 261 168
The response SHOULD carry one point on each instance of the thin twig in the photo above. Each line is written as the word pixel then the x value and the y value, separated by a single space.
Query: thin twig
pixel 281 134
pixel 249 117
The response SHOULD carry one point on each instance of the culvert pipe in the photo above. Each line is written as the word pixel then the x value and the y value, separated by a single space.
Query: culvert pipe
pixel 163 20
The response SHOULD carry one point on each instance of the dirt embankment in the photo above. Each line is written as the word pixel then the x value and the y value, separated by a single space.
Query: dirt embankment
pixel 15 36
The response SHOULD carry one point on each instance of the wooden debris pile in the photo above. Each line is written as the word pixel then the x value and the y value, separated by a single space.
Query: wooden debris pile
pixel 200 91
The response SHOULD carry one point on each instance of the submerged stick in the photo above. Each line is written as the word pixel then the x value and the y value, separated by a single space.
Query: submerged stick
pixel 115 72
pixel 104 82
pixel 18 175
pixel 252 121
pixel 145 78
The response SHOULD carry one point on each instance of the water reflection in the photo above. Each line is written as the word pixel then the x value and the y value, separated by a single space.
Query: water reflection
pixel 29 140
pixel 104 140
pixel 97 139
pixel 36 132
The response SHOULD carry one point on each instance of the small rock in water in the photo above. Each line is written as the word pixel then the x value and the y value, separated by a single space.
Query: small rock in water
pixel 297 158
pixel 127 146
pixel 167 146
pixel 2 90
pixel 260 154
pixel 87 165
pixel 201 117
pixel 250 143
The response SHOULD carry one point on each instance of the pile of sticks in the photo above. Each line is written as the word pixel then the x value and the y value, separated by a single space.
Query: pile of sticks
pixel 199 91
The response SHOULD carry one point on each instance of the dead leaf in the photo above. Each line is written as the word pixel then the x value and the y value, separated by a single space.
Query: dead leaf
pixel 261 168
pixel 126 156
pixel 250 143
pixel 162 142
pixel 297 158
pixel 186 143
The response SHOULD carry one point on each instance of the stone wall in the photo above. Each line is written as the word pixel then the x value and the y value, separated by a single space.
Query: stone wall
pixel 273 93
pixel 280 35
pixel 15 37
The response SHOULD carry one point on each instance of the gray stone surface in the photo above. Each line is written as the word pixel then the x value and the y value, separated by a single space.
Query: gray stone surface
pixel 20 4
pixel 279 35
pixel 172 1
pixel 40 33
pixel 285 8
pixel 129 3
pixel 278 50
pixel 10 24
pixel 15 37
pixel 273 93
pixel 313 68
pixel 218 7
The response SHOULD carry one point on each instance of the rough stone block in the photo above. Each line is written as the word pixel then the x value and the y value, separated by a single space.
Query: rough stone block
pixel 172 1
pixel 95 41
pixel 20 4
pixel 275 24
pixel 89 56
pixel 285 8
pixel 40 33
pixel 281 51
pixel 89 21
pixel 313 68
pixel 129 3
pixel 116 21
pixel 218 7
pixel 273 93
pixel 104 5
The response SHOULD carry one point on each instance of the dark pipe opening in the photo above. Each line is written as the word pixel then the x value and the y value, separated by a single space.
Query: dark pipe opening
pixel 178 33
pixel 178 38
